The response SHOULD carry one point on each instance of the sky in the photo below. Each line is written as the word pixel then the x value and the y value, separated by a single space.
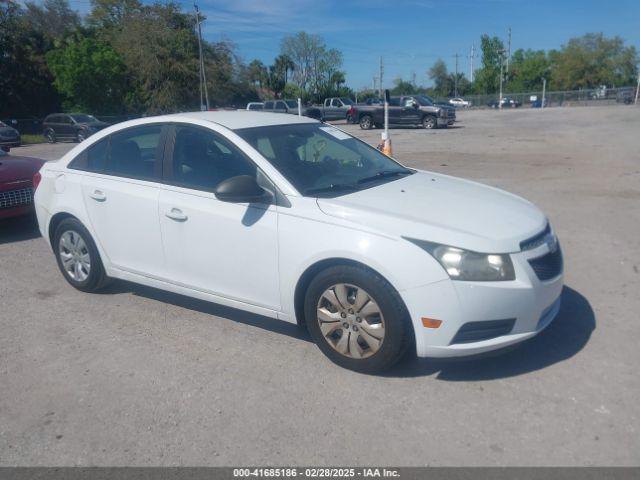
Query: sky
pixel 410 35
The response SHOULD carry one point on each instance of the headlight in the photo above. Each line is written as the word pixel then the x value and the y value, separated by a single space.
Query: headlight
pixel 469 266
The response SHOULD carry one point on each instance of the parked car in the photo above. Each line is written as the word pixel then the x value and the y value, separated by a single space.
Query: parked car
pixel 297 220
pixel 537 103
pixel 404 110
pixel 291 106
pixel 9 136
pixel 255 106
pixel 374 101
pixel 507 102
pixel 16 184
pixel 70 126
pixel 459 102
pixel 335 108
pixel 626 95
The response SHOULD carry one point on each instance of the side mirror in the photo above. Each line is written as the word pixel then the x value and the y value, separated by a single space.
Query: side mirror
pixel 241 189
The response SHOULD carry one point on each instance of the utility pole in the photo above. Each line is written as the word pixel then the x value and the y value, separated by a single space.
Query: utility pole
pixel 637 89
pixel 375 82
pixel 203 75
pixel 413 76
pixel 501 52
pixel 380 78
pixel 455 88
pixel 471 57
pixel 544 88
pixel 509 50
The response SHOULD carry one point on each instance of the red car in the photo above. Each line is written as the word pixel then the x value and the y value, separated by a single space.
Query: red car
pixel 16 184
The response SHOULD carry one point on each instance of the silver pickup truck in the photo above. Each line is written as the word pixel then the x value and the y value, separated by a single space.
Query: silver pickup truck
pixel 335 108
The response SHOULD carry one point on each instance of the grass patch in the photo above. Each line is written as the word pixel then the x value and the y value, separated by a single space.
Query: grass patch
pixel 28 139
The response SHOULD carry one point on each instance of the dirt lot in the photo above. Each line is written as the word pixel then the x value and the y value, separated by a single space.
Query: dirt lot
pixel 135 376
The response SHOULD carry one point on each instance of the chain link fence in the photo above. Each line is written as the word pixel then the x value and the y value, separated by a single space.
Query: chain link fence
pixel 569 98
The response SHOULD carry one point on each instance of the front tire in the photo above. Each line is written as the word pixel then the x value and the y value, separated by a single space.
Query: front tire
pixel 50 136
pixel 78 257
pixel 366 122
pixel 357 319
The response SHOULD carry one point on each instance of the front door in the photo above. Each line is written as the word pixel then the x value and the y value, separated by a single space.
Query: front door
pixel 228 249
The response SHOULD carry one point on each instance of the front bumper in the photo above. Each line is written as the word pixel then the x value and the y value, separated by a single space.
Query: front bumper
pixel 10 142
pixel 528 302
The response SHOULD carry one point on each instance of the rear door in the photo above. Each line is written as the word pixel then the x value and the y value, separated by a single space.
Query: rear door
pixel 121 198
pixel 228 249
pixel 67 126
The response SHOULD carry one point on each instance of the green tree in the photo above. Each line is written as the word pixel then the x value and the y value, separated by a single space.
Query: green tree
pixel 593 60
pixel 487 77
pixel 315 66
pixel 527 68
pixel 257 72
pixel 89 74
pixel 25 81
pixel 440 77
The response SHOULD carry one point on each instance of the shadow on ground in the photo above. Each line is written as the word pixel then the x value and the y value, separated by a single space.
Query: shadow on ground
pixel 565 337
pixel 18 229
pixel 241 316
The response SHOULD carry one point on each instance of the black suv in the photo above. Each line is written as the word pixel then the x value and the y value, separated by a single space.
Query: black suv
pixel 70 126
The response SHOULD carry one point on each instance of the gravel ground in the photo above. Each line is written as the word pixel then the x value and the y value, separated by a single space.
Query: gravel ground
pixel 135 376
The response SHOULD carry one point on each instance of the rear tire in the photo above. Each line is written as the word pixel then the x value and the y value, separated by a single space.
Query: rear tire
pixel 366 122
pixel 81 136
pixel 77 256
pixel 429 122
pixel 356 302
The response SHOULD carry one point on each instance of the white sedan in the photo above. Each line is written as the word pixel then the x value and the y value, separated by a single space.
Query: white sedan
pixel 294 219
pixel 459 102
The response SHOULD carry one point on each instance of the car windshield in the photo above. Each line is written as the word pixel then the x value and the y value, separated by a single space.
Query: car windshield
pixel 291 103
pixel 424 100
pixel 321 160
pixel 82 118
pixel 346 101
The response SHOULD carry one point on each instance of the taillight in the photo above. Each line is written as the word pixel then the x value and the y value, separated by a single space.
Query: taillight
pixel 350 111
pixel 36 180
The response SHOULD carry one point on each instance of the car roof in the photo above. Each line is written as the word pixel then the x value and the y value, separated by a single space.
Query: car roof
pixel 237 119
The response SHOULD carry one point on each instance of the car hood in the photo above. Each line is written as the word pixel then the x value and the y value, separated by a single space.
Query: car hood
pixel 18 168
pixel 8 130
pixel 442 209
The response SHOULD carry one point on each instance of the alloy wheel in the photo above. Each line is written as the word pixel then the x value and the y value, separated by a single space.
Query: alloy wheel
pixel 75 256
pixel 351 321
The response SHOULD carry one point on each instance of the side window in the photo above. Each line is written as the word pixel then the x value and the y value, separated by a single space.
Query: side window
pixel 66 119
pixel 134 153
pixel 97 156
pixel 394 102
pixel 202 159
pixel 407 102
pixel 93 159
pixel 280 105
pixel 335 103
pixel 327 102
pixel 268 106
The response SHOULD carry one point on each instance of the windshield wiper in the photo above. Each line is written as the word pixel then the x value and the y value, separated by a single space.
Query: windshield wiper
pixel 385 174
pixel 335 187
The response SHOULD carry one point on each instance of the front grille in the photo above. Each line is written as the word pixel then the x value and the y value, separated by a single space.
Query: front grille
pixel 478 331
pixel 16 198
pixel 547 266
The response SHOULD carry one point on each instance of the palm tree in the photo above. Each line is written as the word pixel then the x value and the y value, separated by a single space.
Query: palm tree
pixel 257 72
pixel 282 65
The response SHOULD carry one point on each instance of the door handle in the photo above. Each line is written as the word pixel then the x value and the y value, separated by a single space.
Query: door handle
pixel 98 196
pixel 176 214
